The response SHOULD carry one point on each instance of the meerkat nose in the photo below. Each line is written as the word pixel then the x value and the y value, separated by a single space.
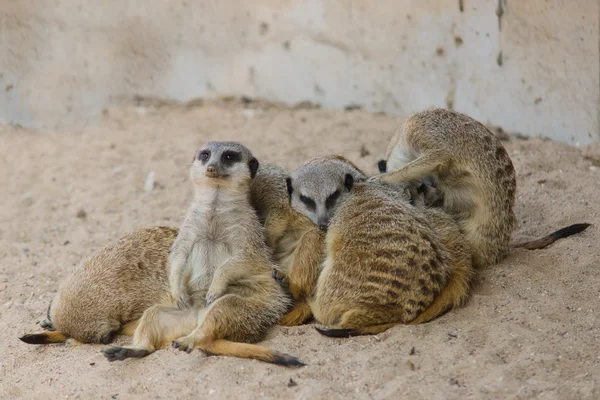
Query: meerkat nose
pixel 211 170
pixel 323 223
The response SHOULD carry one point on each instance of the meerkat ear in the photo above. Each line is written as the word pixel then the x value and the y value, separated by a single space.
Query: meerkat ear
pixel 382 165
pixel 290 189
pixel 253 165
pixel 349 181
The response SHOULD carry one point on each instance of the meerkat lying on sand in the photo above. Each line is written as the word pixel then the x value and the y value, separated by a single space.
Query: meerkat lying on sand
pixel 108 292
pixel 472 172
pixel 221 271
pixel 387 261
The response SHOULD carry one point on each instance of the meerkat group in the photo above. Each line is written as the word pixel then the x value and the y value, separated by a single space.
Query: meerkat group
pixel 260 246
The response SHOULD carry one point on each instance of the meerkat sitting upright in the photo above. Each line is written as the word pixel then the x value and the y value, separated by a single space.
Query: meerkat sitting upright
pixel 387 261
pixel 296 241
pixel 221 269
pixel 109 291
pixel 472 172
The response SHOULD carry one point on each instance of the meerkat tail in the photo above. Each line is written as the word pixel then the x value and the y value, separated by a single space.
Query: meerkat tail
pixel 553 237
pixel 222 347
pixel 346 333
pixel 45 337
pixel 299 315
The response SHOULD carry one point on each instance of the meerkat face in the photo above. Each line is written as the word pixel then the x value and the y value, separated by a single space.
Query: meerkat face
pixel 223 164
pixel 319 187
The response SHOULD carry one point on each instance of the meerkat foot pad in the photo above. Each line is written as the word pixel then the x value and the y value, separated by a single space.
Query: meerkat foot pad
pixel 117 353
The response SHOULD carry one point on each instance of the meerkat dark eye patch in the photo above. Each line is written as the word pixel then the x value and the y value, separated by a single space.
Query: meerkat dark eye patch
pixel 330 202
pixel 230 157
pixel 382 166
pixel 204 155
pixel 253 166
pixel 309 203
pixel 288 183
pixel 348 182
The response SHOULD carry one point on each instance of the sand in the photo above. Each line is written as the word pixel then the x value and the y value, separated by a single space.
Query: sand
pixel 530 330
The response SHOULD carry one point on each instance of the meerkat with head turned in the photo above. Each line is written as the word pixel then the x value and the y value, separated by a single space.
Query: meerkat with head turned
pixel 470 169
pixel 220 269
pixel 296 241
pixel 108 292
pixel 473 175
pixel 387 261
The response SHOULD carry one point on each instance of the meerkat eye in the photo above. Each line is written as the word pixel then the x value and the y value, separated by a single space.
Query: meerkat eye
pixel 230 157
pixel 331 199
pixel 204 155
pixel 309 203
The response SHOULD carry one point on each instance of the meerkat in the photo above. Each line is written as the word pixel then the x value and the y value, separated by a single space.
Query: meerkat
pixel 108 292
pixel 220 269
pixel 296 241
pixel 472 173
pixel 387 261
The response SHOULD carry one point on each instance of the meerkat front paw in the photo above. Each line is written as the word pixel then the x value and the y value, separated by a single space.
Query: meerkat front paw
pixel 374 179
pixel 184 344
pixel 182 300
pixel 47 325
pixel 279 276
pixel 211 297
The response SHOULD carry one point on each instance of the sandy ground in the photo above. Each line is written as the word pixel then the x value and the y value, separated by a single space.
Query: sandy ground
pixel 531 329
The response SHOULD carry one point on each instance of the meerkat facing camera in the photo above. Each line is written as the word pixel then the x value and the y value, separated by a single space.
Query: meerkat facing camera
pixel 109 291
pixel 220 269
pixel 387 261
pixel 473 174
pixel 296 241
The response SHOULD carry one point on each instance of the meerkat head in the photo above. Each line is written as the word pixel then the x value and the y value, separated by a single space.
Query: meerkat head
pixel 223 164
pixel 319 186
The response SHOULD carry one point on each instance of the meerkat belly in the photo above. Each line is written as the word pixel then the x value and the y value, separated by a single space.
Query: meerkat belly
pixel 211 250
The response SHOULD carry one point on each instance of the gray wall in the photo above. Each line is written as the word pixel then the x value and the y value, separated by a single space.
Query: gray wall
pixel 534 69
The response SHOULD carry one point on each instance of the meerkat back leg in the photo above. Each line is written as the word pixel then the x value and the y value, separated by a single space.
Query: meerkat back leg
pixel 159 325
pixel 424 165
pixel 299 315
pixel 455 294
pixel 230 320
pixel 303 276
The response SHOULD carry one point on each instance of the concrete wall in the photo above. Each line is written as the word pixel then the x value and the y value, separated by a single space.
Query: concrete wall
pixel 531 66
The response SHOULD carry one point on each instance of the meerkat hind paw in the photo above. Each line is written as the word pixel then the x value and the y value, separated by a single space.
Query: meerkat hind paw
pixel 117 353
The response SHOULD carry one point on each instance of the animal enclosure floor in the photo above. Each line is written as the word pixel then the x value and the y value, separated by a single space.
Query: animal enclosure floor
pixel 530 330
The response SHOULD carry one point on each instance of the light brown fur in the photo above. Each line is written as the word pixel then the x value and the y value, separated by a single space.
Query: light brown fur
pixel 296 241
pixel 109 291
pixel 470 168
pixel 220 269
pixel 389 262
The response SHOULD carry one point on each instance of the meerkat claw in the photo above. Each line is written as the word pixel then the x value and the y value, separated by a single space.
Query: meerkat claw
pixel 182 346
pixel 279 276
